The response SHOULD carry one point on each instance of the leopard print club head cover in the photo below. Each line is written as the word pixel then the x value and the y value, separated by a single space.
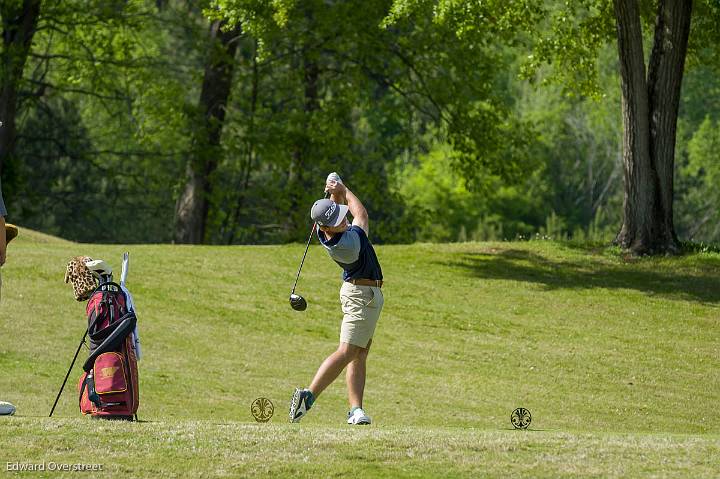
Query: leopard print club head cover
pixel 82 279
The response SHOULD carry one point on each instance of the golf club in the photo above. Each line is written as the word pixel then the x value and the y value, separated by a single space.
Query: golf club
pixel 297 302
pixel 82 341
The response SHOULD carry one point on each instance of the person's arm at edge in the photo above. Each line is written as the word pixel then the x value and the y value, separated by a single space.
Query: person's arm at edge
pixel 3 243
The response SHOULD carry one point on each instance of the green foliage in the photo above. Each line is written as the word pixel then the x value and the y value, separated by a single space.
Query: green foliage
pixel 696 205
pixel 702 172
pixel 451 120
pixel 446 208
pixel 485 136
pixel 104 63
pixel 567 34
pixel 702 151
pixel 373 93
pixel 571 39
pixel 705 35
pixel 438 197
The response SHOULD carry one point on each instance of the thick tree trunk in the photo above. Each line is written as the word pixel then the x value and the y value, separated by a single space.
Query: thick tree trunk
pixel 649 110
pixel 665 74
pixel 191 210
pixel 639 199
pixel 19 22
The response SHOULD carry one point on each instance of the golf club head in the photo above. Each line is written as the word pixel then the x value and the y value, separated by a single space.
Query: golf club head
pixel 297 302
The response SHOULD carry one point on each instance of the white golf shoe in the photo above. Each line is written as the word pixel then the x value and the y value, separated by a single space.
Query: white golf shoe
pixel 6 409
pixel 358 417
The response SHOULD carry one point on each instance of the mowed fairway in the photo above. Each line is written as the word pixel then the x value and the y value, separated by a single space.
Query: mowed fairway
pixel 617 360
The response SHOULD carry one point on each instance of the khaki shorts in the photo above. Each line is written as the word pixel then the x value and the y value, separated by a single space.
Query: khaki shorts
pixel 361 307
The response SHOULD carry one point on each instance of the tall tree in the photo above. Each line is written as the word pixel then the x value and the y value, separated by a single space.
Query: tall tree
pixel 19 22
pixel 193 204
pixel 569 35
pixel 650 109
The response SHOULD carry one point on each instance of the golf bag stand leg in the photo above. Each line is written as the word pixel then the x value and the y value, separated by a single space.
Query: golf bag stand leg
pixel 82 341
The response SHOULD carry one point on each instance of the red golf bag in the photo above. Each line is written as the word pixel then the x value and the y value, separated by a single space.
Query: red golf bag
pixel 109 386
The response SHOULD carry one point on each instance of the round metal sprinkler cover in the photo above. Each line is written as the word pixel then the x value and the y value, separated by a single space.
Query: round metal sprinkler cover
pixel 262 409
pixel 520 418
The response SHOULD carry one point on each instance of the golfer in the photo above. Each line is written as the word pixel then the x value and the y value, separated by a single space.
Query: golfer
pixel 361 298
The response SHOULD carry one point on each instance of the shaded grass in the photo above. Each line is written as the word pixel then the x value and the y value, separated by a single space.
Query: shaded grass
pixel 616 360
pixel 650 276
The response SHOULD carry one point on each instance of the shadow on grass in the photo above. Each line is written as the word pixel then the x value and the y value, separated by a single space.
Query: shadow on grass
pixel 702 284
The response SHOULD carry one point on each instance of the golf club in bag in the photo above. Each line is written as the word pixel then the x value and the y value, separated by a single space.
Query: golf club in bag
pixel 297 302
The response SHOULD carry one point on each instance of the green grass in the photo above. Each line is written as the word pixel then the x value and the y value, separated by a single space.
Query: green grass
pixel 616 359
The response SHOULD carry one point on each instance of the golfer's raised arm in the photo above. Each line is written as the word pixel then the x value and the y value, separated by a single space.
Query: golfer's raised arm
pixel 358 211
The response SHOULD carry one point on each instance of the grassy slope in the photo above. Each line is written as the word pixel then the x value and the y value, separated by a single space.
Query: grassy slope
pixel 617 361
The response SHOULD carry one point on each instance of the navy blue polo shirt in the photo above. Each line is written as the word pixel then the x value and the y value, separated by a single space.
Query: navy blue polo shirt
pixel 354 253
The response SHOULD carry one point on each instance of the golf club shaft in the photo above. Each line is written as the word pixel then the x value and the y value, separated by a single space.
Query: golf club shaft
pixel 68 373
pixel 125 268
pixel 312 230
pixel 303 258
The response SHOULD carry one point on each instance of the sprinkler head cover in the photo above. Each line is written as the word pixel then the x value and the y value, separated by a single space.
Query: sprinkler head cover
pixel 297 302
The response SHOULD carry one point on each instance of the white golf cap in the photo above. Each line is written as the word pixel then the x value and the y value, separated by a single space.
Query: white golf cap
pixel 328 213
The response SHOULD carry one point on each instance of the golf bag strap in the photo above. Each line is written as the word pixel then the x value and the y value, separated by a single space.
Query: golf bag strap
pixel 91 326
pixel 92 393
pixel 112 342
pixel 107 283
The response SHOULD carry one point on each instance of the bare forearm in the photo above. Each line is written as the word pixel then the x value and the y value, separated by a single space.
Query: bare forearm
pixel 357 210
pixel 354 204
